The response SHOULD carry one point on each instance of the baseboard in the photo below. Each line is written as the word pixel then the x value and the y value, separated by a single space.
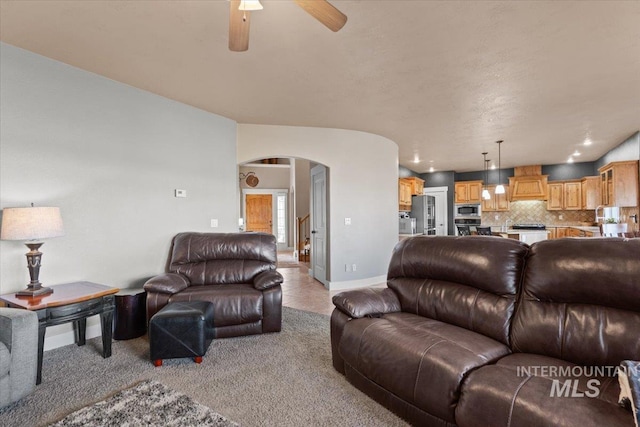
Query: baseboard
pixel 361 283
pixel 63 335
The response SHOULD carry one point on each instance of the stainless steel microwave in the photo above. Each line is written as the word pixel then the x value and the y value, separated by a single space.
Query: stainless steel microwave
pixel 467 209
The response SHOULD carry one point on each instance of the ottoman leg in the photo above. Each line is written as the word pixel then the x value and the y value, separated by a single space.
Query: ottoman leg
pixel 157 362
pixel 197 359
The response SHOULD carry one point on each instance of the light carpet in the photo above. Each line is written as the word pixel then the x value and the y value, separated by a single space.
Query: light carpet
pixel 149 403
pixel 278 379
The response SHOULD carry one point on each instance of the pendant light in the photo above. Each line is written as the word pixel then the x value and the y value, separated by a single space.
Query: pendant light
pixel 499 187
pixel 485 191
pixel 249 5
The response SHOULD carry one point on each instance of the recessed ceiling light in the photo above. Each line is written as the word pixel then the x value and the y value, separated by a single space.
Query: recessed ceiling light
pixel 587 142
pixel 570 160
pixel 493 167
pixel 416 160
pixel 576 153
pixel 431 169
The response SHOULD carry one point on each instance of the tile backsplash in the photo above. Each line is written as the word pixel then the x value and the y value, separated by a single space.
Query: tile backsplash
pixel 535 212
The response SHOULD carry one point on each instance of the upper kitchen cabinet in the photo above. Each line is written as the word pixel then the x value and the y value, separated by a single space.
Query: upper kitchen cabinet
pixel 564 195
pixel 497 202
pixel 468 192
pixel 528 183
pixel 404 194
pixel 591 196
pixel 417 185
pixel 619 184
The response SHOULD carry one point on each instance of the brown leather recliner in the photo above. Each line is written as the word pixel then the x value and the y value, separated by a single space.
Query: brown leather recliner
pixel 234 271
pixel 483 331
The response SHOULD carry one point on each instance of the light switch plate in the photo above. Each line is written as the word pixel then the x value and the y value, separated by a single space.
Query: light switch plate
pixel 181 193
pixel 214 223
pixel 347 221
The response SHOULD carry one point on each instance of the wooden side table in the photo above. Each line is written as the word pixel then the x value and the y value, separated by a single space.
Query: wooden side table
pixel 130 320
pixel 71 302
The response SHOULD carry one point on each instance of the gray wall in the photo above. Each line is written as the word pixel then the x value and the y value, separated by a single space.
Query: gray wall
pixel 629 149
pixel 110 156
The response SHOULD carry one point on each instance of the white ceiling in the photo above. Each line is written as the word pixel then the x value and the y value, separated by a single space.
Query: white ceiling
pixel 444 80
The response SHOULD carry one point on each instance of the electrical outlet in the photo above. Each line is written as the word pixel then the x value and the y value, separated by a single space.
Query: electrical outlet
pixel 353 267
pixel 214 223
pixel 347 221
pixel 560 217
pixel 181 193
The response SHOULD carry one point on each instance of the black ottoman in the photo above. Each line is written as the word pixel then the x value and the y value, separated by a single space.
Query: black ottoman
pixel 181 329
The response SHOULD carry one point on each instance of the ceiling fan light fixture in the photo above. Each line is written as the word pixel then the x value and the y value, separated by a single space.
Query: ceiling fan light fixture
pixel 250 5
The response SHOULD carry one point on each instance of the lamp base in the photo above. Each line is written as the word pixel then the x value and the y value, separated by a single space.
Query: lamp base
pixel 34 292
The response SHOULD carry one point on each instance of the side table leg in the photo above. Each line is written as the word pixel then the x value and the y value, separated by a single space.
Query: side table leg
pixel 106 323
pixel 42 328
pixel 80 328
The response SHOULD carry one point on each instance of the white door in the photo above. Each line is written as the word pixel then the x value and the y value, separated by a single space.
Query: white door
pixel 319 223
pixel 442 213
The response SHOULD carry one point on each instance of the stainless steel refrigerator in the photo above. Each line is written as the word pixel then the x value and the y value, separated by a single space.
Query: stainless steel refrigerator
pixel 423 209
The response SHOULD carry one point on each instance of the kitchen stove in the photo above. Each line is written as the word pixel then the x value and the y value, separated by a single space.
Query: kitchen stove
pixel 529 227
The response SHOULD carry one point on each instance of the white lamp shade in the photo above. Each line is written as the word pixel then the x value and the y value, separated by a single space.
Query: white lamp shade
pixel 250 5
pixel 500 189
pixel 31 223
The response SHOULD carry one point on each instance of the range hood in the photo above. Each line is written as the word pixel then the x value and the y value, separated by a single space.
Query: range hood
pixel 528 183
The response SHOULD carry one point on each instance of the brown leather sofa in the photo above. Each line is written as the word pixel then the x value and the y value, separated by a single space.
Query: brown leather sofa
pixel 234 271
pixel 485 331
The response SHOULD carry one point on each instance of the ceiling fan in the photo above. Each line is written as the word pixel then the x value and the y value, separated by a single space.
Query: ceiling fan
pixel 240 14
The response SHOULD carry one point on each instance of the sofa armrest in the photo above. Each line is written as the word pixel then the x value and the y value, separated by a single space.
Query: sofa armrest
pixel 167 283
pixel 367 302
pixel 267 279
pixel 19 361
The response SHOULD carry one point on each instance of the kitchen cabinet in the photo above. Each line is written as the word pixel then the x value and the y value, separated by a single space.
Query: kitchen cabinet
pixel 561 232
pixel 590 192
pixel 497 202
pixel 404 194
pixel 417 185
pixel 468 192
pixel 619 184
pixel 564 195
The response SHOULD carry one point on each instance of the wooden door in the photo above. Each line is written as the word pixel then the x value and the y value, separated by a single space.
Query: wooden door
pixel 259 213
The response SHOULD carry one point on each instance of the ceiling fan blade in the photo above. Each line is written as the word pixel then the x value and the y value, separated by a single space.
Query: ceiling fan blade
pixel 324 12
pixel 238 27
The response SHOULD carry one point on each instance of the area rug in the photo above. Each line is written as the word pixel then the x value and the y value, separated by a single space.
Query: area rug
pixel 149 403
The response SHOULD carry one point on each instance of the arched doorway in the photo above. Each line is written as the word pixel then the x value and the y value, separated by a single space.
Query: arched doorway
pixel 288 197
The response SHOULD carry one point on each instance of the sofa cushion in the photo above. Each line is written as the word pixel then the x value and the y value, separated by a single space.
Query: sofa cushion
pixel 467 282
pixel 581 301
pixel 206 258
pixel 422 361
pixel 232 304
pixel 532 390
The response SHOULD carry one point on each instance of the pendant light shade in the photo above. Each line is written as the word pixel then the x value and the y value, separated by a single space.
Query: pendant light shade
pixel 499 187
pixel 485 192
pixel 250 5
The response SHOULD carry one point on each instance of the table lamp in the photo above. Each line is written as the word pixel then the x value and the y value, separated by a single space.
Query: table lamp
pixel 32 224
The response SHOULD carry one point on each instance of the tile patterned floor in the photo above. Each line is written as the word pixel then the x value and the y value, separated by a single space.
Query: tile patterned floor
pixel 303 292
